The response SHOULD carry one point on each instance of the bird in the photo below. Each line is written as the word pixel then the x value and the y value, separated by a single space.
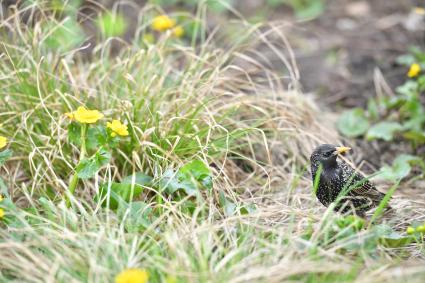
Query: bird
pixel 337 182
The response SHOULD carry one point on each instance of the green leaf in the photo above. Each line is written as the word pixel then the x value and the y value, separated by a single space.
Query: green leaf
pixel 96 137
pixel 115 193
pixel 400 168
pixel 228 206
pixel 353 123
pixel 310 10
pixel 74 133
pixel 64 36
pixel 111 24
pixel 130 188
pixel 416 137
pixel 383 130
pixel 87 168
pixel 408 88
pixel 137 216
pixel 138 178
pixel 372 109
pixel 172 181
pixel 406 59
pixel 219 6
pixel 196 169
pixel 189 178
pixel 395 240
pixel 4 156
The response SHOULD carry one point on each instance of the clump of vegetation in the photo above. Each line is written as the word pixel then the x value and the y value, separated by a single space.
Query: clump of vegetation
pixel 399 116
pixel 172 161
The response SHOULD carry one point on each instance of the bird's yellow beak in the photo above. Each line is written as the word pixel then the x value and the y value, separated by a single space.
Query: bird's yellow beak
pixel 341 149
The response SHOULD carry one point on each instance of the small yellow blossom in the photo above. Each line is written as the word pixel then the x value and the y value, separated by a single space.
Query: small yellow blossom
pixel 132 275
pixel 1 213
pixel 178 31
pixel 419 10
pixel 84 115
pixel 117 128
pixel 410 230
pixel 414 70
pixel 3 142
pixel 163 23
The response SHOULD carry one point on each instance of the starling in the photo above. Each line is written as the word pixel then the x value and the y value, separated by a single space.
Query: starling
pixel 340 183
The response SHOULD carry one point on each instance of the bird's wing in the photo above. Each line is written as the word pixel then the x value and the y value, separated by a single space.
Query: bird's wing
pixel 361 187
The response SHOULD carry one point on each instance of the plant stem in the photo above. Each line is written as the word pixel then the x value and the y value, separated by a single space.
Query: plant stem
pixel 74 181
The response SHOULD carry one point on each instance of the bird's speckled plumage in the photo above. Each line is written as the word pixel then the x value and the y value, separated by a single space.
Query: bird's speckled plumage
pixel 339 180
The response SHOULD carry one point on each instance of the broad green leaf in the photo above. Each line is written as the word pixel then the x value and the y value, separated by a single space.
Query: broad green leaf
pixel 228 206
pixel 113 194
pixel 353 123
pixel 400 168
pixel 406 59
pixel 139 179
pixel 111 24
pixel 137 216
pixel 87 168
pixel 4 156
pixel 417 137
pixel 384 131
pixel 395 240
pixel 197 168
pixel 70 7
pixel 96 137
pixel 64 36
pixel 189 178
pixel 408 88
pixel 309 10
pixel 373 109
pixel 130 188
pixel 172 181
pixel 415 124
pixel 74 133
pixel 219 6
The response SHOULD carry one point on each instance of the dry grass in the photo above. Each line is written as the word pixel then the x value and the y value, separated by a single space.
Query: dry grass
pixel 223 106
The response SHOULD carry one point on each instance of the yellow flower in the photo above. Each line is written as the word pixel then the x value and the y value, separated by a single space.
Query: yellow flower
pixel 163 23
pixel 132 275
pixel 419 10
pixel 178 31
pixel 1 213
pixel 414 70
pixel 3 142
pixel 117 128
pixel 84 115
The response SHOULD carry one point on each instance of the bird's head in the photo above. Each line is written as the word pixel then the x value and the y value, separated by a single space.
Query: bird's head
pixel 326 155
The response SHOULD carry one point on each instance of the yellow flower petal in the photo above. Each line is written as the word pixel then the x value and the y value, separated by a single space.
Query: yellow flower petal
pixel 132 275
pixel 117 128
pixel 162 23
pixel 85 116
pixel 178 31
pixel 3 142
pixel 414 70
pixel 1 213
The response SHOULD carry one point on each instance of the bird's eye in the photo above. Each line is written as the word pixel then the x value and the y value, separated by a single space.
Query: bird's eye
pixel 328 153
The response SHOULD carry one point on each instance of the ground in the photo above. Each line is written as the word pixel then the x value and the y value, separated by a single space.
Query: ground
pixel 190 159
